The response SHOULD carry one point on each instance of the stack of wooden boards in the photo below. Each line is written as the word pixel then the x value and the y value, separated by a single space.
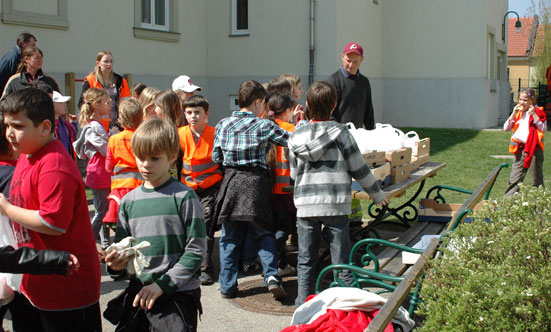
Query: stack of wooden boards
pixel 396 166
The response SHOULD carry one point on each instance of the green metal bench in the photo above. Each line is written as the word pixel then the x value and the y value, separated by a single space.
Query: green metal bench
pixel 391 276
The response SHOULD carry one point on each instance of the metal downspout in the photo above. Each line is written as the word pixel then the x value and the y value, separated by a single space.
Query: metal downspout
pixel 312 48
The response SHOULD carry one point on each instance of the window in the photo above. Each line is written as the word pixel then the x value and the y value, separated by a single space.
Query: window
pixel 155 14
pixel 240 17
pixel 234 105
pixel 156 19
pixel 49 14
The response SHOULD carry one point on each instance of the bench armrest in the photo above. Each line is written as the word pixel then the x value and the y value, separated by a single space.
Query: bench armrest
pixel 438 188
pixel 369 256
pixel 360 278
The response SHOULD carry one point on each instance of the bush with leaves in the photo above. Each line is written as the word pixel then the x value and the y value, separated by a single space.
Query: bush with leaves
pixel 495 273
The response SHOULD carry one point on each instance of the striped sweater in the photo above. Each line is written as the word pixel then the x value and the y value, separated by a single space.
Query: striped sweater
pixel 323 158
pixel 170 217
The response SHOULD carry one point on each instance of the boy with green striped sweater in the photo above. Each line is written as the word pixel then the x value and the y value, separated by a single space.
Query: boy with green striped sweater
pixel 167 214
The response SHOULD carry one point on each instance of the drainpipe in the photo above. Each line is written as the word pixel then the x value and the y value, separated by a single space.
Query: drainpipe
pixel 312 48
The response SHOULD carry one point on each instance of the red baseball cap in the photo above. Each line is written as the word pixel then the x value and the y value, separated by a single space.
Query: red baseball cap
pixel 353 48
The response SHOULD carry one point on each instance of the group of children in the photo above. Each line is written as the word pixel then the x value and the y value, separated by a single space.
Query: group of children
pixel 238 176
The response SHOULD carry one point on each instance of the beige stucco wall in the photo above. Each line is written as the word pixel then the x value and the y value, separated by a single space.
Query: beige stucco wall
pixel 104 24
pixel 519 69
pixel 424 58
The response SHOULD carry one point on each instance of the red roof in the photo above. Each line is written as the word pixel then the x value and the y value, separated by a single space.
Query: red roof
pixel 518 43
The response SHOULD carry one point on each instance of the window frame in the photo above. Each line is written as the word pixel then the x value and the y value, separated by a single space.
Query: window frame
pixel 153 32
pixel 13 16
pixel 234 30
pixel 153 25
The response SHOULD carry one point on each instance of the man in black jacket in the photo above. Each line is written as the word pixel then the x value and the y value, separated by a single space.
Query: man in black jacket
pixel 354 102
pixel 10 60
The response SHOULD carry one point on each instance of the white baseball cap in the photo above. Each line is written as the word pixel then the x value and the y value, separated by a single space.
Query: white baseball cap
pixel 59 98
pixel 184 83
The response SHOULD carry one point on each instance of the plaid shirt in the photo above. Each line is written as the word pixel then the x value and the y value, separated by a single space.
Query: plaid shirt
pixel 244 139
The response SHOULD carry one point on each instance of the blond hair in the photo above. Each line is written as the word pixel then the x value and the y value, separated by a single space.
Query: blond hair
pixel 147 98
pixel 155 137
pixel 97 71
pixel 89 97
pixel 171 109
pixel 130 113
pixel 293 79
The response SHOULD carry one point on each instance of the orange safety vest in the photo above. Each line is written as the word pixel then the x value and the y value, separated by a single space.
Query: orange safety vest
pixel 198 169
pixel 513 145
pixel 124 92
pixel 125 171
pixel 282 171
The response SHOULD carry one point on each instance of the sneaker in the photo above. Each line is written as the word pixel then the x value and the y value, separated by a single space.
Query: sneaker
pixel 228 295
pixel 274 287
pixel 206 279
pixel 287 270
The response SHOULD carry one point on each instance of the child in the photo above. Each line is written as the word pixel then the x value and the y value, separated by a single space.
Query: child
pixel 528 123
pixel 323 157
pixel 199 172
pixel 120 160
pixel 147 100
pixel 167 106
pixel 136 90
pixel 65 131
pixel 241 142
pixel 92 145
pixel 168 215
pixel 48 210
pixel 280 110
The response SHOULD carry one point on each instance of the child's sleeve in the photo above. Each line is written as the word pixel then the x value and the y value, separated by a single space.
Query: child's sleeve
pixel 358 169
pixel 217 155
pixel 98 138
pixel 277 135
pixel 109 160
pixel 293 164
pixel 123 231
pixel 191 212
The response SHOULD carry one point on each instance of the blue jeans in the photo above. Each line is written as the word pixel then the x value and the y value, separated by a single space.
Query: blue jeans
pixel 101 205
pixel 249 253
pixel 309 238
pixel 231 243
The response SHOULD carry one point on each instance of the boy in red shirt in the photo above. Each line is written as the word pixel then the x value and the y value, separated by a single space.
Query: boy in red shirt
pixel 48 209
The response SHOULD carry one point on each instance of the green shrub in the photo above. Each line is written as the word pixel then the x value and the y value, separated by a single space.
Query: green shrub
pixel 494 276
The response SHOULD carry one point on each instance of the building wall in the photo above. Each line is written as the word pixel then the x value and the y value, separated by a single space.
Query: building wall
pixel 426 60
pixel 519 68
pixel 435 65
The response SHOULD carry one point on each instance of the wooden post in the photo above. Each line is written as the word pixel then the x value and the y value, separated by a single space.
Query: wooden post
pixel 128 78
pixel 70 91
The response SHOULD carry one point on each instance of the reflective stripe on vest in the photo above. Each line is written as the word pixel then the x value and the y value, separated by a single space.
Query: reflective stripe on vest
pixel 198 169
pixel 283 170
pixel 125 171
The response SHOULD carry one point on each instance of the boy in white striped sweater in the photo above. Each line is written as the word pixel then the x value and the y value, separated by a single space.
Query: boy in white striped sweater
pixel 323 158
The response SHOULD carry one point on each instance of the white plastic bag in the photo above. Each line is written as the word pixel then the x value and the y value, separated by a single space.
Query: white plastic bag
pixel 362 137
pixel 387 138
pixel 9 283
pixel 410 138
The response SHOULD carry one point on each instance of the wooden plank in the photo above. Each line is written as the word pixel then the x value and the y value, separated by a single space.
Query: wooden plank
pixel 389 309
pixel 395 266
pixel 388 254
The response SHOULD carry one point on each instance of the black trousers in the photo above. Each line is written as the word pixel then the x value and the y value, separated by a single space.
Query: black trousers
pixel 27 318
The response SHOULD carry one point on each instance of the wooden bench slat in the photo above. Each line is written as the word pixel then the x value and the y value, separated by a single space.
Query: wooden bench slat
pixel 390 308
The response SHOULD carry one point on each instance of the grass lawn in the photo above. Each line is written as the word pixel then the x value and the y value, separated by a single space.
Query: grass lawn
pixel 468 155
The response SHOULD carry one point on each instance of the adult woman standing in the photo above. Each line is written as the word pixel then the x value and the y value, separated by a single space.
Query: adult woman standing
pixel 103 77
pixel 29 73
